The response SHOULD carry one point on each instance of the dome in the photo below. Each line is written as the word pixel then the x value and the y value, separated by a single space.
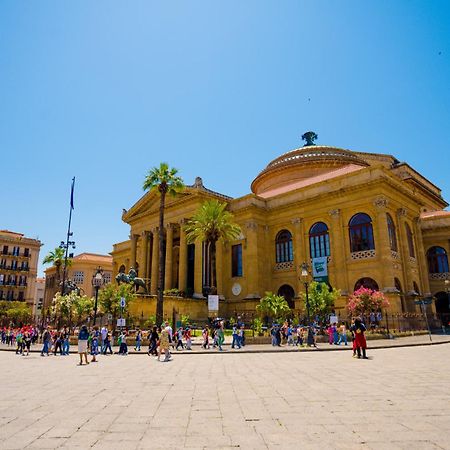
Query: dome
pixel 304 166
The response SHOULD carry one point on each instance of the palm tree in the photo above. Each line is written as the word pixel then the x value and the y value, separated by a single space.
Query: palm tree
pixel 210 223
pixel 56 257
pixel 163 180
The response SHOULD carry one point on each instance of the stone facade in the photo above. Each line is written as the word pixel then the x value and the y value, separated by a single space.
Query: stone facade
pixel 295 192
pixel 19 257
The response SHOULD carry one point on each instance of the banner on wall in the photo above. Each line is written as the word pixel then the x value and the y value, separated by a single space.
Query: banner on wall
pixel 320 269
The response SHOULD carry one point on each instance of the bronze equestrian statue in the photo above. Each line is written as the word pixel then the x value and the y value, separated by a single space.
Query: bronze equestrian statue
pixel 131 278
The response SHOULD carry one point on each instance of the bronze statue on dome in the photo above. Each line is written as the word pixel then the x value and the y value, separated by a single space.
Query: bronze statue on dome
pixel 309 137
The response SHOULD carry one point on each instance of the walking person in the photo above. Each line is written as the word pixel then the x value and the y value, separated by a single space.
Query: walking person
pixel 187 336
pixel 107 344
pixel 104 334
pixel 180 338
pixel 46 336
pixel 164 345
pixel 57 343
pixel 153 338
pixel 235 335
pixel 205 336
pixel 65 341
pixel 83 337
pixel 94 343
pixel 123 349
pixel 342 334
pixel 220 336
pixel 359 329
pixel 137 345
pixel 26 343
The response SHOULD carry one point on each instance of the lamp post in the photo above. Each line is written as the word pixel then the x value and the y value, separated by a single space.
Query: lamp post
pixel 97 282
pixel 304 276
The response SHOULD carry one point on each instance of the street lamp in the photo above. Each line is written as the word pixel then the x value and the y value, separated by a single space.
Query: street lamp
pixel 305 276
pixel 447 289
pixel 97 282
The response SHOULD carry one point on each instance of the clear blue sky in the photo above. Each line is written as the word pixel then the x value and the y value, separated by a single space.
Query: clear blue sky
pixel 105 90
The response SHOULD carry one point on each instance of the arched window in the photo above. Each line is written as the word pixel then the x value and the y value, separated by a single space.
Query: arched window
pixel 437 260
pixel 319 240
pixel 283 247
pixel 368 283
pixel 410 239
pixel 122 269
pixel 392 234
pixel 361 233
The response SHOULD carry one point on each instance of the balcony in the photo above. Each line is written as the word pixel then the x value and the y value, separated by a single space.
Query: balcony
pixel 16 255
pixel 15 269
pixel 439 276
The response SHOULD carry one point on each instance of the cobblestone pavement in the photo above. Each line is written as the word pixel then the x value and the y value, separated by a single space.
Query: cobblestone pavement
pixel 399 399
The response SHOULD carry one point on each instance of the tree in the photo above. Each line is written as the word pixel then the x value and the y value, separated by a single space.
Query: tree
pixel 15 312
pixel 321 299
pixel 56 257
pixel 64 306
pixel 273 306
pixel 210 223
pixel 109 299
pixel 163 180
pixel 364 300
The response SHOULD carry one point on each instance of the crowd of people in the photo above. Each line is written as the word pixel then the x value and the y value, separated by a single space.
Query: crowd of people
pixel 161 339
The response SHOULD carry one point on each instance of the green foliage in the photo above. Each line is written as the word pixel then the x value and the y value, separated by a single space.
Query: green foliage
pixel 273 306
pixel 163 179
pixel 15 312
pixel 56 258
pixel 150 322
pixel 257 325
pixel 109 298
pixel 321 299
pixel 185 320
pixel 210 223
pixel 232 321
pixel 72 305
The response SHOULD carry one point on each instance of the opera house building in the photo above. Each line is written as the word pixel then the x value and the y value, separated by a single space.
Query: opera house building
pixel 370 219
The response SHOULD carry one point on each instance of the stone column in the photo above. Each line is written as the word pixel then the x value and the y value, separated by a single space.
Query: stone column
pixel 404 255
pixel 145 238
pixel 299 256
pixel 182 263
pixel 198 269
pixel 252 263
pixel 169 257
pixel 382 244
pixel 422 261
pixel 155 265
pixel 219 267
pixel 133 238
pixel 339 252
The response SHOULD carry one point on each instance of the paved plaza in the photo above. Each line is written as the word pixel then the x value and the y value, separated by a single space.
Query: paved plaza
pixel 399 399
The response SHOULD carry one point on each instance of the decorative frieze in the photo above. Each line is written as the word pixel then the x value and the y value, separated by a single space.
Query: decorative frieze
pixel 380 202
pixel 395 255
pixel 365 254
pixel 289 265
pixel 334 213
pixel 439 276
pixel 402 212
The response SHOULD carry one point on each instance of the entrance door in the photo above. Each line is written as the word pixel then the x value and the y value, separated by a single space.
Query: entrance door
pixel 288 293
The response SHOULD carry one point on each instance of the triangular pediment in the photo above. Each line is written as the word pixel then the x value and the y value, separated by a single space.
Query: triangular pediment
pixel 149 202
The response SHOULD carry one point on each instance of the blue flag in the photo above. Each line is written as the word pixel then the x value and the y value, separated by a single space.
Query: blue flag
pixel 71 193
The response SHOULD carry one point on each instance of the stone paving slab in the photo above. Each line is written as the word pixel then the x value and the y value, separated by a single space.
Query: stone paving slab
pixel 398 399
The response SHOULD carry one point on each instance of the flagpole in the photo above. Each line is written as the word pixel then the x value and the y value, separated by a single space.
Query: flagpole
pixel 68 243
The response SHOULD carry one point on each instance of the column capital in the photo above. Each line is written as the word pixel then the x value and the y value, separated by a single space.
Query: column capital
pixel 334 213
pixel 251 225
pixel 168 226
pixel 145 234
pixel 133 236
pixel 381 203
pixel 297 221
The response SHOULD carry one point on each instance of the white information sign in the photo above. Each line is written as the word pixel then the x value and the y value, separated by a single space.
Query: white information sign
pixel 213 303
pixel 121 322
pixel 333 319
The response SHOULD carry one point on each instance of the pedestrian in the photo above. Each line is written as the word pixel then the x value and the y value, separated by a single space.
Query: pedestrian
pixel 123 349
pixel 104 334
pixel 46 337
pixel 153 338
pixel 299 336
pixel 57 343
pixel 137 345
pixel 289 334
pixel 205 336
pixel 187 336
pixel 359 329
pixel 83 337
pixel 65 341
pixel 19 341
pixel 179 338
pixel 220 335
pixel 342 334
pixel 27 343
pixel 330 333
pixel 164 344
pixel 107 344
pixel 235 335
pixel 94 343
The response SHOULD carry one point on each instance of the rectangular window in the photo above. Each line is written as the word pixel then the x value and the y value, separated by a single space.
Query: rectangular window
pixel 26 252
pixel 16 251
pixel 5 250
pixel 78 277
pixel 20 297
pixel 236 260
